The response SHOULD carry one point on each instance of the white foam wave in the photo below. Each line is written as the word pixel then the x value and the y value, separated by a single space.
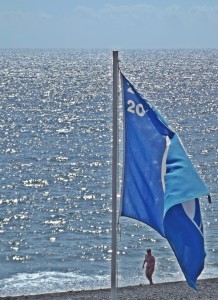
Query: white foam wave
pixel 50 282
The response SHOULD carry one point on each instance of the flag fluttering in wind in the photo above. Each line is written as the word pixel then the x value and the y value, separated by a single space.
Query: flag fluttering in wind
pixel 160 184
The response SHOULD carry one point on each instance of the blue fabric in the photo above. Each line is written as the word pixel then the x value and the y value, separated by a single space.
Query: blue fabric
pixel 144 149
pixel 185 236
pixel 158 176
pixel 182 180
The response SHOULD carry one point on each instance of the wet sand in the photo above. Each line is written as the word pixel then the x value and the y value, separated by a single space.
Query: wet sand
pixel 207 289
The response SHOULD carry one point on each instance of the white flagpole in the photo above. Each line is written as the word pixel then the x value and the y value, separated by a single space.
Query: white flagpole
pixel 114 179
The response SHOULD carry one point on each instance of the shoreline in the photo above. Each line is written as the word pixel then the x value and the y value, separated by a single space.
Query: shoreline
pixel 206 289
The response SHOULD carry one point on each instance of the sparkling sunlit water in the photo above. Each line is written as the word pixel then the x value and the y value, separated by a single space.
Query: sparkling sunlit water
pixel 55 163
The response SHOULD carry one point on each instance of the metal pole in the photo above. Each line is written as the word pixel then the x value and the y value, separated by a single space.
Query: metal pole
pixel 114 180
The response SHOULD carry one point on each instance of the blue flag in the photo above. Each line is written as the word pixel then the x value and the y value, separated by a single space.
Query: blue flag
pixel 160 184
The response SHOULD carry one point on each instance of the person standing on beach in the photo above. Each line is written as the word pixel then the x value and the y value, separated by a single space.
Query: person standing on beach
pixel 150 260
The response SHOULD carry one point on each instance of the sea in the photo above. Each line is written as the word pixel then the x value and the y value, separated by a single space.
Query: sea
pixel 56 163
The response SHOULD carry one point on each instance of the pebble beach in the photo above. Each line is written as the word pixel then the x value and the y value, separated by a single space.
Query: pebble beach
pixel 206 289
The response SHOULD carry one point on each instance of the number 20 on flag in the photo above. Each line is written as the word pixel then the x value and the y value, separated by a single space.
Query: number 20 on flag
pixel 136 108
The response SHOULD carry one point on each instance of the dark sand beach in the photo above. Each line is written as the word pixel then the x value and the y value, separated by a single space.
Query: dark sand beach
pixel 206 289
